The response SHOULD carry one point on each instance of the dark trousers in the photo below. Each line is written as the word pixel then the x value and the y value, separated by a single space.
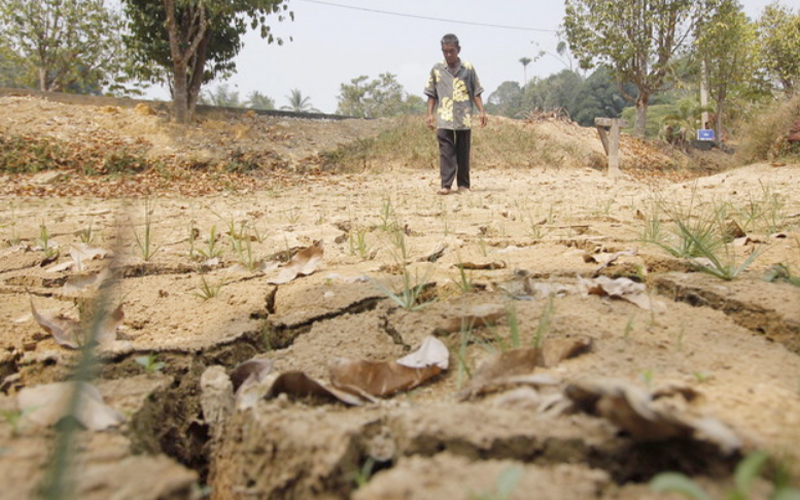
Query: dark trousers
pixel 454 156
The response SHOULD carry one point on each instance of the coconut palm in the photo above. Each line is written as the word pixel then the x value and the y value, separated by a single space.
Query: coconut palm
pixel 525 61
pixel 298 103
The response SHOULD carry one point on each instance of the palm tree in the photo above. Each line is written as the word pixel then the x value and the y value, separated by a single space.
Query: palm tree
pixel 525 62
pixel 298 103
pixel 257 100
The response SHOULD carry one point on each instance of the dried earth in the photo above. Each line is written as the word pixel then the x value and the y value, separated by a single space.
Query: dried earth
pixel 698 346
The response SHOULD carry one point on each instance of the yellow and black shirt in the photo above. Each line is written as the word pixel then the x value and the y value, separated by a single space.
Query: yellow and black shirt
pixel 454 94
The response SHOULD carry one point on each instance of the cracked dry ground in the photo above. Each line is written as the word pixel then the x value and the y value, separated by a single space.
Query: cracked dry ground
pixel 732 342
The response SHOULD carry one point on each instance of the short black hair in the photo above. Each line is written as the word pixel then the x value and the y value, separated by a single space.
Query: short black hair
pixel 450 39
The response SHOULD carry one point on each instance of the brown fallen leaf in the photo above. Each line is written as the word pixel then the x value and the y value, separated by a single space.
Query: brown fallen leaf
pixel 65 331
pixel 302 263
pixel 384 378
pixel 483 266
pixel 88 282
pixel 47 404
pixel 254 370
pixel 474 316
pixel 513 367
pixel 612 259
pixel 70 333
pixel 646 419
pixel 297 385
pixel 621 288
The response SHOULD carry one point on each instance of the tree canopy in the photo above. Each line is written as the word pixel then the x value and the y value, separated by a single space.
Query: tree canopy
pixel 637 39
pixel 62 45
pixel 381 97
pixel 187 43
pixel 779 34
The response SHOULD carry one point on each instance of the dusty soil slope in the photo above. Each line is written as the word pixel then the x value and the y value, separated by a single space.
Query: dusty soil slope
pixel 720 355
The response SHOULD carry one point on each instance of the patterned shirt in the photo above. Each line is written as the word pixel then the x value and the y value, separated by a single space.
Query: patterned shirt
pixel 453 94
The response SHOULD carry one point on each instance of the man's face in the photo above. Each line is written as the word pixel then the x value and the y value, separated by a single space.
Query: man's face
pixel 450 52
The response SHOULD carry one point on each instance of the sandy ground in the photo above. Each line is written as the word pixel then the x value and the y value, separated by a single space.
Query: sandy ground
pixel 731 344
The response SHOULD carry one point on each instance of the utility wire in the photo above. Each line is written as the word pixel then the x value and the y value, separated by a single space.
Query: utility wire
pixel 426 18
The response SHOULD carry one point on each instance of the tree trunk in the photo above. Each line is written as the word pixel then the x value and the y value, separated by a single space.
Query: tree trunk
pixel 718 124
pixel 641 113
pixel 180 95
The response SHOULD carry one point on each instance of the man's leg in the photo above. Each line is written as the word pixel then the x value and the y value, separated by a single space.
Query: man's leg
pixel 463 138
pixel 447 156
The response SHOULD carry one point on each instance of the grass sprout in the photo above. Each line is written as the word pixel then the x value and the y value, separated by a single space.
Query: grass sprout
pixel 208 290
pixel 746 472
pixel 144 242
pixel 545 321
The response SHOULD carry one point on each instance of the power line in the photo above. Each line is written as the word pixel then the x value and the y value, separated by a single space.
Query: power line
pixel 426 18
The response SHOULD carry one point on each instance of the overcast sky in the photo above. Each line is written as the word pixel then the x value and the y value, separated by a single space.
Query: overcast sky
pixel 335 41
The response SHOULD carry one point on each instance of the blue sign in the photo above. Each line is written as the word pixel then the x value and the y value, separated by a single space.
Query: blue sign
pixel 705 135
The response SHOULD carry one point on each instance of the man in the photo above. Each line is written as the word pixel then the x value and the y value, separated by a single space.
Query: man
pixel 453 87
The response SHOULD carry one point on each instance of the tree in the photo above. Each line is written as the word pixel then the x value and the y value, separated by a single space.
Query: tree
pixel 506 100
pixel 779 35
pixel 637 39
pixel 257 100
pixel 190 42
pixel 299 103
pixel 381 97
pixel 725 46
pixel 559 91
pixel 525 61
pixel 68 44
pixel 222 97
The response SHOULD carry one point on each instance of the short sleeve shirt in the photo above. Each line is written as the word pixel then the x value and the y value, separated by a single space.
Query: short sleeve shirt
pixel 453 94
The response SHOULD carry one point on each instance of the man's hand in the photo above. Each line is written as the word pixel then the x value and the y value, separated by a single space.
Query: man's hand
pixel 483 119
pixel 430 122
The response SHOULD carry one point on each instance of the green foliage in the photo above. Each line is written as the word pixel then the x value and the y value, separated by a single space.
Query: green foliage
pixel 257 100
pixel 299 103
pixel 381 97
pixel 506 100
pixel 726 46
pixel 222 96
pixel 187 43
pixel 144 242
pixel 150 364
pixel 71 45
pixel 746 472
pixel 638 40
pixel 208 290
pixel 779 36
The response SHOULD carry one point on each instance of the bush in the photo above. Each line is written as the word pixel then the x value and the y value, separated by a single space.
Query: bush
pixel 765 138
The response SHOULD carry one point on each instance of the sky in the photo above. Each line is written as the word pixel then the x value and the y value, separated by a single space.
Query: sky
pixel 335 41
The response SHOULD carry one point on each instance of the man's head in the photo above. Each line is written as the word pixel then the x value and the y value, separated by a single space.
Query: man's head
pixel 450 48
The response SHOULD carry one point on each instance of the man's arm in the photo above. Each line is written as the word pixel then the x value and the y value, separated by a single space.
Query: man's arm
pixel 479 104
pixel 429 119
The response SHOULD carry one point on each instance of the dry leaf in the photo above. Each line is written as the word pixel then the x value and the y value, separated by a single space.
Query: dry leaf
pixel 89 282
pixel 621 288
pixel 383 378
pixel 82 252
pixel 471 317
pixel 634 410
pixel 47 404
pixel 515 366
pixel 216 398
pixel 65 331
pixel 612 259
pixel 483 266
pixel 298 385
pixel 70 333
pixel 303 263
pixel 254 370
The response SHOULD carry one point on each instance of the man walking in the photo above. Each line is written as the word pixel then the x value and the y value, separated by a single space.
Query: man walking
pixel 453 87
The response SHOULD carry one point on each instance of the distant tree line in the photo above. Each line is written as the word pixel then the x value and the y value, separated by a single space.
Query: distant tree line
pixel 640 53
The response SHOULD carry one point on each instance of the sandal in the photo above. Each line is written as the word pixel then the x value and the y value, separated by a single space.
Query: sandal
pixel 443 191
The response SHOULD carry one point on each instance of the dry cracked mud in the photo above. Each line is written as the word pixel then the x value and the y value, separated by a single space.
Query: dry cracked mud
pixel 732 344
